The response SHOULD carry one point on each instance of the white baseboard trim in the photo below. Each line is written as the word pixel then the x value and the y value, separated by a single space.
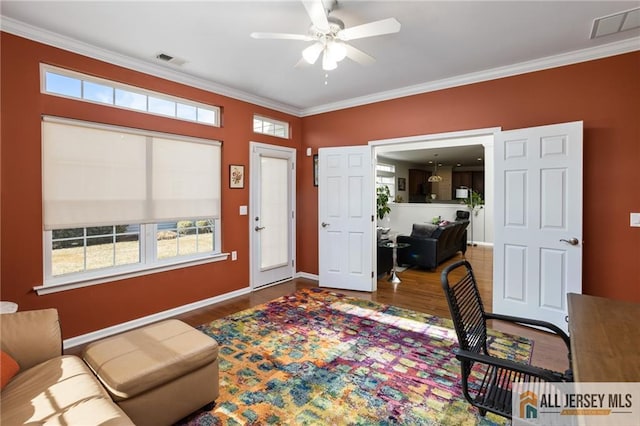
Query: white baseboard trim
pixel 481 243
pixel 125 326
pixel 307 276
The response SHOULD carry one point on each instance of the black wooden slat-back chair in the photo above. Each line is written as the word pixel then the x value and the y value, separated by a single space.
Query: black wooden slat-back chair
pixel 493 391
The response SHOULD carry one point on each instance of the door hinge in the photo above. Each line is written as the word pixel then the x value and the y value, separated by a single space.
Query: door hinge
pixel 371 274
pixel 372 218
pixel 293 263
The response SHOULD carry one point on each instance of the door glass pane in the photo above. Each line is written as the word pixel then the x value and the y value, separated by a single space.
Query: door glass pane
pixel 274 208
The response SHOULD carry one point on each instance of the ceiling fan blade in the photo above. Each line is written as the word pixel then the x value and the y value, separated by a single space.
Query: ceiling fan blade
pixel 282 36
pixel 358 55
pixel 376 28
pixel 302 63
pixel 312 53
pixel 315 10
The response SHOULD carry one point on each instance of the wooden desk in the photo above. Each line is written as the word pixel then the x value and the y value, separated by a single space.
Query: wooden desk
pixel 605 339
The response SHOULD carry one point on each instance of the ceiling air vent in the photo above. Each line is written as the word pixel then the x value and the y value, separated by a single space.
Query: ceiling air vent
pixel 171 59
pixel 616 23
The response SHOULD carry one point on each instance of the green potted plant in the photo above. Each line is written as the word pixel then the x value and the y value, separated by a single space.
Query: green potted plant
pixel 382 201
pixel 474 202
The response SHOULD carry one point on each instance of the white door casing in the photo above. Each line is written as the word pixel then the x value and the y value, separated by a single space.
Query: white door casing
pixel 538 221
pixel 272 214
pixel 346 218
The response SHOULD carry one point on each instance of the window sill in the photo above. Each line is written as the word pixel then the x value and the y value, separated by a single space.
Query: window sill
pixel 72 284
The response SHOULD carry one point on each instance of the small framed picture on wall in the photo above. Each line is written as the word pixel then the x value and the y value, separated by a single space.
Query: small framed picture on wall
pixel 236 176
pixel 402 184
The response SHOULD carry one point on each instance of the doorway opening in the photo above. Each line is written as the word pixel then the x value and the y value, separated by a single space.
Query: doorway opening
pixel 460 159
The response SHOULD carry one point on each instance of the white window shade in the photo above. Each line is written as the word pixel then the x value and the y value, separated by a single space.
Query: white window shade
pixel 185 180
pixel 92 177
pixel 274 207
pixel 95 175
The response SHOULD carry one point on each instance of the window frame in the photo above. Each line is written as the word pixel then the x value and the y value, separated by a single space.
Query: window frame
pixel 148 250
pixel 149 262
pixel 266 120
pixel 44 68
pixel 382 172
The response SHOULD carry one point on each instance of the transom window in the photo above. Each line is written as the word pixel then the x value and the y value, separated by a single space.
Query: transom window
pixel 119 200
pixel 61 82
pixel 269 126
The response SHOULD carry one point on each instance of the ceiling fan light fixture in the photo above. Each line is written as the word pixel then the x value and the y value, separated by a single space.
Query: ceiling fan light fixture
pixel 330 35
pixel 336 50
pixel 328 63
pixel 311 53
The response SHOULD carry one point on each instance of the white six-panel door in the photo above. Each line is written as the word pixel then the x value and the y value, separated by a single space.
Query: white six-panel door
pixel 345 218
pixel 538 221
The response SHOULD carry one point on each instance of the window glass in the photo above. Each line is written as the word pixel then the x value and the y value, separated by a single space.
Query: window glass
pixel 127 99
pixel 185 237
pixel 127 247
pixel 186 112
pixel 206 116
pixel 63 82
pixel 162 106
pixel 386 176
pixel 271 127
pixel 98 93
pixel 257 125
pixel 279 130
pixel 205 229
pixel 85 249
pixel 63 85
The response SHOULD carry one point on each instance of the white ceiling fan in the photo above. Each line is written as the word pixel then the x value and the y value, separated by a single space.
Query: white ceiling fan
pixel 329 36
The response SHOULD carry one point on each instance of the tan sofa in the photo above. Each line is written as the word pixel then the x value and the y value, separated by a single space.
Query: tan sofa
pixel 50 388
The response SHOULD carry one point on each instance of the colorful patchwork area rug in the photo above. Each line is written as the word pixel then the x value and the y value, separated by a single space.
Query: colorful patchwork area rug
pixel 317 357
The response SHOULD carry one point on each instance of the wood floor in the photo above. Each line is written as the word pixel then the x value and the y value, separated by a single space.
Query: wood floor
pixel 419 291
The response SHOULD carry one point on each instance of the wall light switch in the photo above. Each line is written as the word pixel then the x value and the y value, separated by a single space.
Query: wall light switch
pixel 234 255
pixel 243 210
pixel 635 219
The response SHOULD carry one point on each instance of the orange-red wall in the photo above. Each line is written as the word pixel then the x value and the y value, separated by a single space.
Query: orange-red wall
pixel 602 93
pixel 605 94
pixel 92 308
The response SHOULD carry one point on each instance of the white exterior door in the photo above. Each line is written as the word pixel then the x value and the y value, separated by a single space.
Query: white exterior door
pixel 538 221
pixel 346 218
pixel 272 217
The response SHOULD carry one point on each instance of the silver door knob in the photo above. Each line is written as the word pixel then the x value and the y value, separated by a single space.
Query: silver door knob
pixel 259 228
pixel 325 224
pixel 572 241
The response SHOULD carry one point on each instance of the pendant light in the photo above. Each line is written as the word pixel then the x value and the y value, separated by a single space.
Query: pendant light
pixel 435 177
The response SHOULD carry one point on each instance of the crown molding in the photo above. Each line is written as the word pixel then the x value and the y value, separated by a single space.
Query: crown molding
pixel 50 38
pixel 22 29
pixel 577 56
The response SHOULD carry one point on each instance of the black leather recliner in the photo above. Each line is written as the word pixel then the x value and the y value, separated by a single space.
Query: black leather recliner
pixel 462 214
pixel 385 259
pixel 430 245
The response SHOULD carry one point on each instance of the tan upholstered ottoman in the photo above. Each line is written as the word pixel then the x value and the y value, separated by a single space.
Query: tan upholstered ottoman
pixel 157 374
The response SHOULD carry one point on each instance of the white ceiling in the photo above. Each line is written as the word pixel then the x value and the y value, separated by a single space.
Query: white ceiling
pixel 440 43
